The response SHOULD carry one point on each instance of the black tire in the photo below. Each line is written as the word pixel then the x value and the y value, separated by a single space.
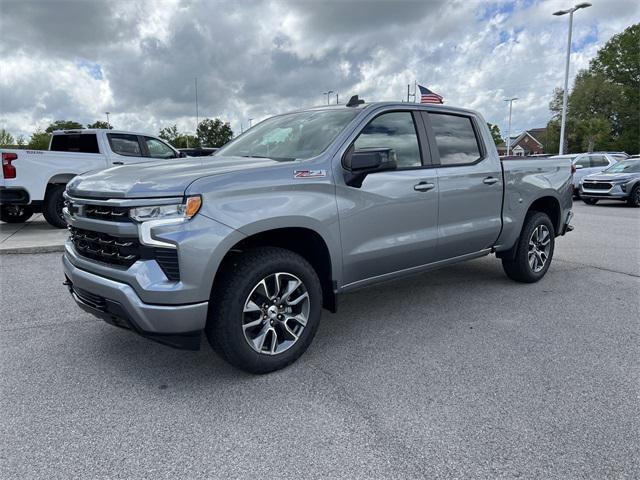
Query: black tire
pixel 590 201
pixel 519 269
pixel 634 197
pixel 15 213
pixel 238 281
pixel 53 204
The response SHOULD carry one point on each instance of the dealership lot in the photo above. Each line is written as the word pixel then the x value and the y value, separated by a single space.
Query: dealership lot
pixel 455 373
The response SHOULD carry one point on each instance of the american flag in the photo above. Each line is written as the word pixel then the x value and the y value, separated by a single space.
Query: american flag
pixel 427 96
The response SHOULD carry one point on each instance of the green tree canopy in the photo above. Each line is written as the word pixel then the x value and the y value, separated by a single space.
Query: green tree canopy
pixel 64 125
pixel 169 134
pixel 495 133
pixel 99 124
pixel 178 140
pixel 6 138
pixel 214 133
pixel 39 140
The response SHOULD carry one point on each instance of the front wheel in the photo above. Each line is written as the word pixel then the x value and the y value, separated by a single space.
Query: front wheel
pixel 15 213
pixel 265 310
pixel 534 250
pixel 634 197
pixel 53 204
pixel 590 201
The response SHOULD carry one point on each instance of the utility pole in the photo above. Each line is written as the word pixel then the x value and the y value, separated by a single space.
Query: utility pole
pixel 197 116
pixel 108 124
pixel 337 102
pixel 566 69
pixel 510 100
pixel 408 93
pixel 328 94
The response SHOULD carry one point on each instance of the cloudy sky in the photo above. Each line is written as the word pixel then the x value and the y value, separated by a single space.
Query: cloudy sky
pixel 62 59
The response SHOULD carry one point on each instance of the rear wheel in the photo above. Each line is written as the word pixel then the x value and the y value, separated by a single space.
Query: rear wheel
pixel 15 213
pixel 534 250
pixel 634 197
pixel 53 204
pixel 590 201
pixel 265 310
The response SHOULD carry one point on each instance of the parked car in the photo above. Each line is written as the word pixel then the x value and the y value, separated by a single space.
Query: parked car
pixel 199 152
pixel 33 181
pixel 618 182
pixel 589 163
pixel 299 209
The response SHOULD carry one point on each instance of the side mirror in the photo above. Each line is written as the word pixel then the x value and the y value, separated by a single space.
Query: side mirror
pixel 182 155
pixel 360 163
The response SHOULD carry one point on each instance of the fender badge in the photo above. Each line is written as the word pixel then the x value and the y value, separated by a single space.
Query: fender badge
pixel 309 173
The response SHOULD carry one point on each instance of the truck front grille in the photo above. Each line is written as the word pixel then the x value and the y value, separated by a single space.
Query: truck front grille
pixel 597 185
pixel 108 213
pixel 123 251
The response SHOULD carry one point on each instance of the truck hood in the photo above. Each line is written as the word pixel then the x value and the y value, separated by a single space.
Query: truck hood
pixel 611 177
pixel 164 178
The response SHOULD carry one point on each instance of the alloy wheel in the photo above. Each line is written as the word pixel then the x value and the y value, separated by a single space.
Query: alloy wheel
pixel 539 248
pixel 275 313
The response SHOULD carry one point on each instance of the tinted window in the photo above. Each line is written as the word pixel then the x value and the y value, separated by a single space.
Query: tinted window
pixel 85 143
pixel 393 130
pixel 583 162
pixel 599 161
pixel 456 140
pixel 124 144
pixel 158 149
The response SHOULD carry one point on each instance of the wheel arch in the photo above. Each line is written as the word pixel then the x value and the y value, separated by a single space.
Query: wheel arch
pixel 304 241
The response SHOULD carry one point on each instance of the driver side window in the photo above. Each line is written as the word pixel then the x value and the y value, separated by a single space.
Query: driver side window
pixel 394 130
pixel 157 149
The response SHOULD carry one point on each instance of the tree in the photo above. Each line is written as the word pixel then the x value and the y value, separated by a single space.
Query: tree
pixel 170 134
pixel 99 124
pixel 594 132
pixel 20 141
pixel 495 133
pixel 64 125
pixel 6 138
pixel 39 140
pixel 214 133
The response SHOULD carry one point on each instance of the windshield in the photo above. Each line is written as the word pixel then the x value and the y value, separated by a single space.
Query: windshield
pixel 626 166
pixel 292 136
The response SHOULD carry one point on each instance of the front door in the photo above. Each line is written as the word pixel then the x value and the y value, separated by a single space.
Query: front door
pixel 389 223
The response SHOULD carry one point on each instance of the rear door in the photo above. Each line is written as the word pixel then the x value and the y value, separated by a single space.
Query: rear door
pixel 469 183
pixel 126 148
pixel 389 223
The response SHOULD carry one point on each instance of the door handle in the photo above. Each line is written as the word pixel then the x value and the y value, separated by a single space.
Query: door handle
pixel 490 180
pixel 423 187
pixel 117 163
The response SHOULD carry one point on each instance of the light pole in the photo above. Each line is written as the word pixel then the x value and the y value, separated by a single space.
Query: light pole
pixel 250 120
pixel 328 94
pixel 566 69
pixel 108 124
pixel 510 100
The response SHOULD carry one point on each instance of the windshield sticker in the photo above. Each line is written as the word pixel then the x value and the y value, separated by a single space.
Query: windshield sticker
pixel 309 173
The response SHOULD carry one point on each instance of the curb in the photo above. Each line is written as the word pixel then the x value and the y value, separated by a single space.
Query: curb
pixel 31 250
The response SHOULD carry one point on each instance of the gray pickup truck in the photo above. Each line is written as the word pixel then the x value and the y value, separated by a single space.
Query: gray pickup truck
pixel 250 246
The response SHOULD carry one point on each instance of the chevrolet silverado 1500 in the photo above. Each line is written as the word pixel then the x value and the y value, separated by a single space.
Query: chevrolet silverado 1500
pixel 300 208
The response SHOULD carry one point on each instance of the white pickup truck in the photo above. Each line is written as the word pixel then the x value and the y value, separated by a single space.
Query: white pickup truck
pixel 33 181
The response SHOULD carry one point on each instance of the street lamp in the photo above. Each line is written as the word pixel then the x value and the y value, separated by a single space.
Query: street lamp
pixel 108 124
pixel 566 70
pixel 510 100
pixel 328 95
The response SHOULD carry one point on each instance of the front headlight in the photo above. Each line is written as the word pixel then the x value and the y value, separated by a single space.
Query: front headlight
pixel 177 211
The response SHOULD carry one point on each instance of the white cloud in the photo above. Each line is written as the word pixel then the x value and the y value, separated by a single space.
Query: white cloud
pixel 260 58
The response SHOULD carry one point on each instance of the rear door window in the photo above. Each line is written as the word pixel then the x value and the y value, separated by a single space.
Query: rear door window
pixel 77 142
pixel 124 144
pixel 599 161
pixel 584 162
pixel 456 139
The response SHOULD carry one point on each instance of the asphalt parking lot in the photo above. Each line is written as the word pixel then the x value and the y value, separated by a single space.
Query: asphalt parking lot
pixel 459 373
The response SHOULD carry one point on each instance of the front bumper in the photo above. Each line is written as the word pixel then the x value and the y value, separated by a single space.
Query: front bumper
pixel 613 193
pixel 118 304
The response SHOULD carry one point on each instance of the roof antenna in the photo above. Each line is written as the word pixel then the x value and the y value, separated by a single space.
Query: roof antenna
pixel 354 101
